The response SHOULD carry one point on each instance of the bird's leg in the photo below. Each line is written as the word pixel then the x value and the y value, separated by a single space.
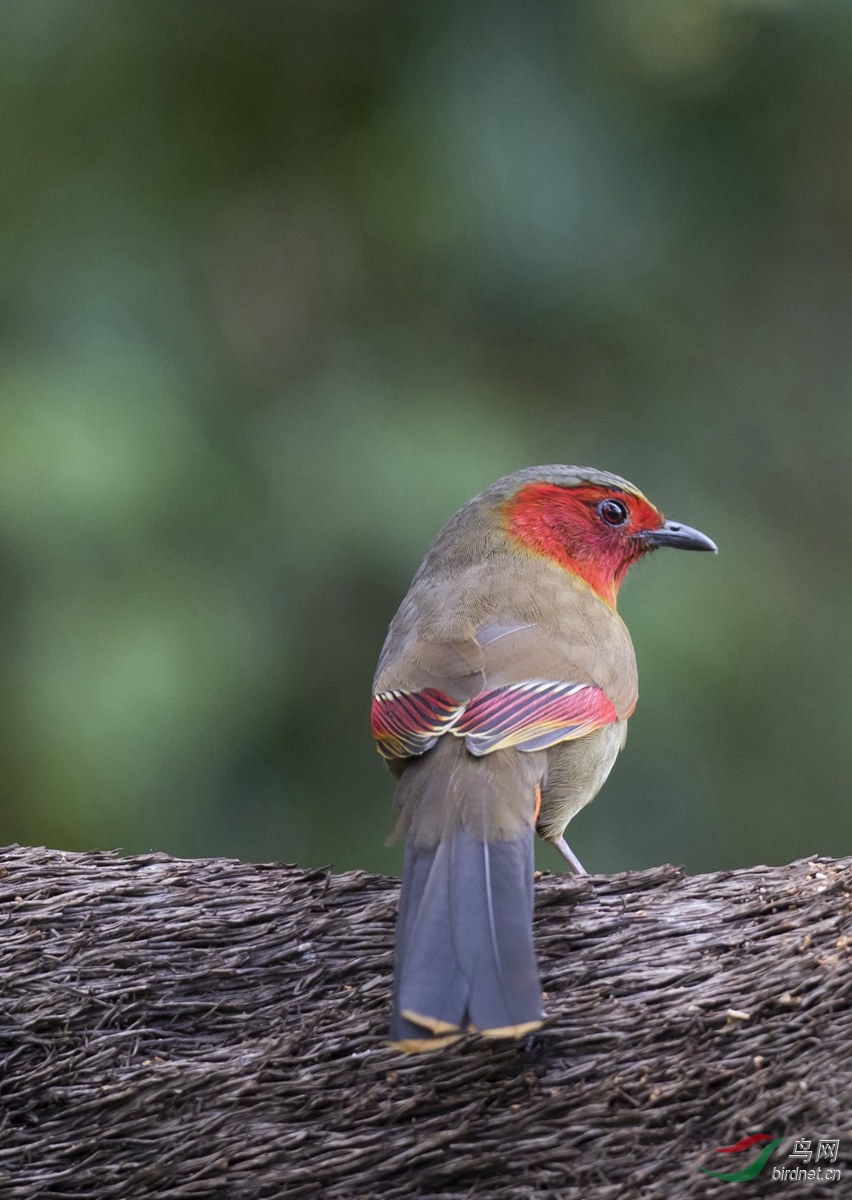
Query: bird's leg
pixel 569 855
pixel 559 842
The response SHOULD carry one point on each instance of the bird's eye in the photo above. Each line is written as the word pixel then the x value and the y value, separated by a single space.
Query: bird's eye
pixel 613 512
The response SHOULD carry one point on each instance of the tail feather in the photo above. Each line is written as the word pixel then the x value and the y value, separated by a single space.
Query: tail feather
pixel 427 982
pixel 464 952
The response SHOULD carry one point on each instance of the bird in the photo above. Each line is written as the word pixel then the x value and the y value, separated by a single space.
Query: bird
pixel 500 703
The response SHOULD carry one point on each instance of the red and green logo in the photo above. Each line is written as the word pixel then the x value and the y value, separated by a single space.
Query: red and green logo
pixel 755 1166
pixel 803 1152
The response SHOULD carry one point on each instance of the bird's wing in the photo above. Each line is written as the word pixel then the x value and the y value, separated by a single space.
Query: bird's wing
pixel 406 724
pixel 529 713
pixel 532 716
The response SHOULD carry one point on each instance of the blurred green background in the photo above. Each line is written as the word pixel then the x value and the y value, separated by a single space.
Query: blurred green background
pixel 282 284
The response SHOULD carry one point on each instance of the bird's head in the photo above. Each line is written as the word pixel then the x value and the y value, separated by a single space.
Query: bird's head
pixel 590 522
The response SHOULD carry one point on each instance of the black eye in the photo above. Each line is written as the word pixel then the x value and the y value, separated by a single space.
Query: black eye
pixel 613 512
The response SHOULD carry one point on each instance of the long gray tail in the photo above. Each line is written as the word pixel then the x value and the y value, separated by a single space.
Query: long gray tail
pixel 464 949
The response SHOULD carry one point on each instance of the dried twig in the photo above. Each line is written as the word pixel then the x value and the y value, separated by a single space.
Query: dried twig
pixel 193 1029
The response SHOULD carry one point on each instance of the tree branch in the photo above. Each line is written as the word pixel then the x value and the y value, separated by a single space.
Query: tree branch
pixel 209 1028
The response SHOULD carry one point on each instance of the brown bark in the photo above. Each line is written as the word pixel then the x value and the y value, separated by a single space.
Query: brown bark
pixel 208 1028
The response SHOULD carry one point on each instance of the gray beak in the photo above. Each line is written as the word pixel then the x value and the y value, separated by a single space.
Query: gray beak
pixel 681 537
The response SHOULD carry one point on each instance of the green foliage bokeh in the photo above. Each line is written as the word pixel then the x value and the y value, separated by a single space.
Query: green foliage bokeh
pixel 282 285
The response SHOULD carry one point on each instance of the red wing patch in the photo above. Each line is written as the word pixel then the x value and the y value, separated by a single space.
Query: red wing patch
pixel 533 716
pixel 406 724
pixel 529 716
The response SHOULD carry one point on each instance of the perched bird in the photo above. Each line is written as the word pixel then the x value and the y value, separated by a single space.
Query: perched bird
pixel 500 703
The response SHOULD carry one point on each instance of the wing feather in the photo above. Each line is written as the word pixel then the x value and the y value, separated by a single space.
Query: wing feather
pixel 530 716
pixel 407 724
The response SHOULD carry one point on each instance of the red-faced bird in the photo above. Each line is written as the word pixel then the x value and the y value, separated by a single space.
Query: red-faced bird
pixel 500 703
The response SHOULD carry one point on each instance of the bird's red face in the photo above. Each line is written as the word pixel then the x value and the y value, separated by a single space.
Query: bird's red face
pixel 595 531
